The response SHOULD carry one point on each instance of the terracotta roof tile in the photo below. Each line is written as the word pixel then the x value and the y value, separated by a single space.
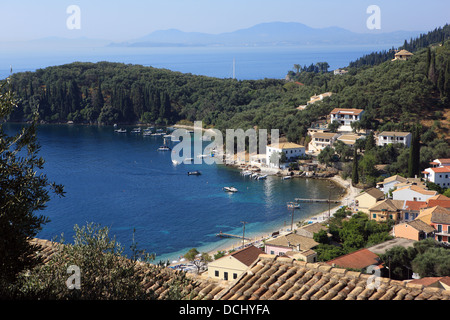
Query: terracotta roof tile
pixel 356 260
pixel 300 281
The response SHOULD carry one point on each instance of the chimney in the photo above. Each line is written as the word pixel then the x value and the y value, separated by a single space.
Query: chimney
pixel 298 247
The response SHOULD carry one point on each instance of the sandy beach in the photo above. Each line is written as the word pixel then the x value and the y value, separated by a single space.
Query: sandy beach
pixel 257 239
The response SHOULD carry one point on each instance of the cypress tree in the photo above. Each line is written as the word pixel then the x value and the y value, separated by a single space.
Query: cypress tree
pixel 446 88
pixel 414 154
pixel 98 99
pixel 432 70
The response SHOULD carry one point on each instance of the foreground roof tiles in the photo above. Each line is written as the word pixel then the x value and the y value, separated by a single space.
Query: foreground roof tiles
pixel 281 278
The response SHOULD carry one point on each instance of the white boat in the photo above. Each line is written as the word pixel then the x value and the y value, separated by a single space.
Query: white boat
pixel 293 205
pixel 262 177
pixel 147 133
pixel 175 162
pixel 202 156
pixel 194 173
pixel 121 130
pixel 136 130
pixel 230 189
pixel 164 148
pixel 246 173
pixel 188 159
pixel 287 177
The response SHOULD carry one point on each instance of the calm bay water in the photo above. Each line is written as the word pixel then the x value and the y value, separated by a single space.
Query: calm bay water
pixel 121 181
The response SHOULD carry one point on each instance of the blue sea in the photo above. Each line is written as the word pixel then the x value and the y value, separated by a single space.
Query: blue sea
pixel 122 182
pixel 250 62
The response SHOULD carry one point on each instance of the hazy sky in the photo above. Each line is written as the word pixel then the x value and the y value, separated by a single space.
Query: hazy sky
pixel 124 20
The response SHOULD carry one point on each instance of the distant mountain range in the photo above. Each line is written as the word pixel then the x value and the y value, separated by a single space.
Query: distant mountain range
pixel 269 34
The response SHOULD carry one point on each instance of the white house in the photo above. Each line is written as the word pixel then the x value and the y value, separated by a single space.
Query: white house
pixel 321 140
pixel 340 72
pixel 412 193
pixel 438 175
pixel 319 97
pixel 390 182
pixel 350 138
pixel 291 150
pixel 440 163
pixel 439 172
pixel 389 137
pixel 346 117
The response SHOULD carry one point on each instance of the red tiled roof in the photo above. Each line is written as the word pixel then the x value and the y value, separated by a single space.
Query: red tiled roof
pixel 442 203
pixel 441 169
pixel 425 281
pixel 247 255
pixel 354 111
pixel 415 205
pixel 356 260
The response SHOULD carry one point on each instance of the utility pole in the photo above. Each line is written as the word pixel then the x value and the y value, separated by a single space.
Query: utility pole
pixel 243 232
pixel 330 186
pixel 292 218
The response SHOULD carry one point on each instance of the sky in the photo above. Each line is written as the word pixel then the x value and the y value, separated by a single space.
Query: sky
pixel 126 20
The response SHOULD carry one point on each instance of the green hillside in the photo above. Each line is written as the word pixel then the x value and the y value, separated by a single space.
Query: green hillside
pixel 395 95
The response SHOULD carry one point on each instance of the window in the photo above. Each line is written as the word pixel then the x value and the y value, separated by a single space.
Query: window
pixel 234 275
pixel 216 273
pixel 439 227
pixel 225 276
pixel 374 216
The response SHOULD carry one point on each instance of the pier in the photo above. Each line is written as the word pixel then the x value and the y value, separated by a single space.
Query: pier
pixel 317 200
pixel 227 235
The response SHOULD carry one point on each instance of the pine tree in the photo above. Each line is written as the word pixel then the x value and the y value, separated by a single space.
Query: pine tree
pixel 24 192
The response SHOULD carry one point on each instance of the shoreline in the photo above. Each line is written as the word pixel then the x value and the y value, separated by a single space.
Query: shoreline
pixel 257 238
pixel 322 216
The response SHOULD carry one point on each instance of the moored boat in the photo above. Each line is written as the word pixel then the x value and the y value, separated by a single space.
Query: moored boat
pixel 164 148
pixel 230 189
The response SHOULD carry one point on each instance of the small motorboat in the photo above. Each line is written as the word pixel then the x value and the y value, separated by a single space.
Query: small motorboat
pixel 194 173
pixel 175 162
pixel 230 189
pixel 188 160
pixel 262 177
pixel 287 177
pixel 164 148
pixel 293 205
pixel 121 130
pixel 136 130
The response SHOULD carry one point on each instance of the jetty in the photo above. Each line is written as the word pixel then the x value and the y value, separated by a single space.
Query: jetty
pixel 227 235
pixel 317 200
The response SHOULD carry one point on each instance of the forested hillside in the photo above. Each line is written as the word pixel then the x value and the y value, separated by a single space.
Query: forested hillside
pixel 395 95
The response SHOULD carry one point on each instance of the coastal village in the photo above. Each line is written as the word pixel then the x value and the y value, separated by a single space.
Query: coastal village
pixel 307 259
pixel 416 213
pixel 285 265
